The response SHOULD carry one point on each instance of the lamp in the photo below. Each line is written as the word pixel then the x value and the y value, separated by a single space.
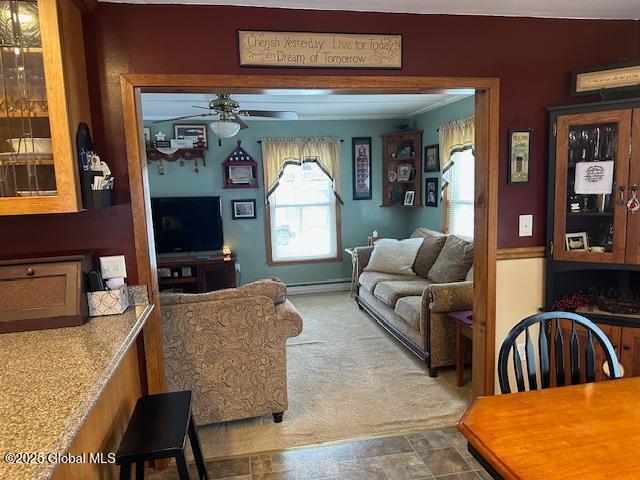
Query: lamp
pixel 226 250
pixel 224 128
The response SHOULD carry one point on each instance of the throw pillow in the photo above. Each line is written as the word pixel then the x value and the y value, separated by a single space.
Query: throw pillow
pixel 454 261
pixel 394 256
pixel 429 251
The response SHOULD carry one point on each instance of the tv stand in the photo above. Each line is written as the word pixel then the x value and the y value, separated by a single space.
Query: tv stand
pixel 196 275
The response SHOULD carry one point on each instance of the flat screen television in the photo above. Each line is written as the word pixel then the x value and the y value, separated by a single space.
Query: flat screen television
pixel 187 224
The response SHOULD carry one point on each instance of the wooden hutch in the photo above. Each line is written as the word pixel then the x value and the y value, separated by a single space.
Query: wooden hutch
pixel 593 225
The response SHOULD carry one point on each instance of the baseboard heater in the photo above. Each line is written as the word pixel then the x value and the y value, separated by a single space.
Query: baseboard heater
pixel 337 285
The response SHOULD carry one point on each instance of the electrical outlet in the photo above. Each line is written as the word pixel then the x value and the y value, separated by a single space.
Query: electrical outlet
pixel 521 351
pixel 113 267
pixel 238 267
pixel 526 226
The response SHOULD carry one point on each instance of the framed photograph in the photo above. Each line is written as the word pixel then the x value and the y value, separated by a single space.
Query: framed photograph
pixel 243 209
pixel 576 242
pixel 361 161
pixel 392 176
pixel 519 156
pixel 240 174
pixel 409 197
pixel 432 158
pixel 197 133
pixel 404 172
pixel 431 192
pixel 147 136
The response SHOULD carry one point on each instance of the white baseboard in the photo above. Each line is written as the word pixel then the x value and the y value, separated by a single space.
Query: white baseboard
pixel 319 288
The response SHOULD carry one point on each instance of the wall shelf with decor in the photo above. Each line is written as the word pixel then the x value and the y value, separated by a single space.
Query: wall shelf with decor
pixel 239 170
pixel 402 169
pixel 153 154
pixel 593 221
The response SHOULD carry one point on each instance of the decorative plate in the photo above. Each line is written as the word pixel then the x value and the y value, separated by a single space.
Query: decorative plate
pixel 392 176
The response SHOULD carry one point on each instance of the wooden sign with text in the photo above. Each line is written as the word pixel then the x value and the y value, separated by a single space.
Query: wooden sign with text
pixel 612 77
pixel 319 50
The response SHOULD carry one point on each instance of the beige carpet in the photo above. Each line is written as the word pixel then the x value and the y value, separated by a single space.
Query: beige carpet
pixel 348 379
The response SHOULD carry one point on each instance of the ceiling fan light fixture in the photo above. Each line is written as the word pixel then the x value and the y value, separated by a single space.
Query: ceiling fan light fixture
pixel 224 128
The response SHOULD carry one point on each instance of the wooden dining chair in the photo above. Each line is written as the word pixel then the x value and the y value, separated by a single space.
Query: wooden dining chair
pixel 552 352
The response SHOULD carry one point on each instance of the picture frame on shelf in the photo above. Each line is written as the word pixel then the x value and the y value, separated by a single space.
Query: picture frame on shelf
pixel 432 158
pixel 361 164
pixel 243 209
pixel 576 242
pixel 431 192
pixel 404 172
pixel 197 133
pixel 519 156
pixel 392 176
pixel 409 198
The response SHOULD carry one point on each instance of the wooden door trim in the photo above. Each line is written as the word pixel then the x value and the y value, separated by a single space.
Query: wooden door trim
pixel 486 191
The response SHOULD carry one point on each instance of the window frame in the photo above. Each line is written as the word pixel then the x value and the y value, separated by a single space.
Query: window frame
pixel 447 202
pixel 269 245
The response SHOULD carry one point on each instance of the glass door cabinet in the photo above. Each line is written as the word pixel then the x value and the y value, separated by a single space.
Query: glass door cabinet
pixel 43 98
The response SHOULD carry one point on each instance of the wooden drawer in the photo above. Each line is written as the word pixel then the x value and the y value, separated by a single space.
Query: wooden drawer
pixel 43 293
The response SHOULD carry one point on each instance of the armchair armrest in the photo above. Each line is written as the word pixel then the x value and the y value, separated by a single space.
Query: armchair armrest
pixel 363 255
pixel 450 297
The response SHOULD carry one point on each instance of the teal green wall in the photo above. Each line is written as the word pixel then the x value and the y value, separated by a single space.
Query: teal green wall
pixel 429 122
pixel 246 237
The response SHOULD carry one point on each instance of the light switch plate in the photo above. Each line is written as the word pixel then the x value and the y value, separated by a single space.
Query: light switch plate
pixel 113 267
pixel 526 226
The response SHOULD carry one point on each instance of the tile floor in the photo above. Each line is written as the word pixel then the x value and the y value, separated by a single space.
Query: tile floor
pixel 435 454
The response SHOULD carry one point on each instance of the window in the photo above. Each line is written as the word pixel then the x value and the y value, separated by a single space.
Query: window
pixel 459 203
pixel 303 215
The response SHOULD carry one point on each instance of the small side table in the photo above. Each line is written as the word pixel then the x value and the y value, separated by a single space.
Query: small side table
pixel 354 269
pixel 464 334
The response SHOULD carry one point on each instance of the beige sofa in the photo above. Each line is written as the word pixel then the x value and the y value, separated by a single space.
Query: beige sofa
pixel 228 348
pixel 413 308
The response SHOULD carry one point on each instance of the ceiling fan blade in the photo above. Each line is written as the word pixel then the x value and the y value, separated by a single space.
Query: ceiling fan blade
pixel 186 116
pixel 269 114
pixel 199 106
pixel 239 121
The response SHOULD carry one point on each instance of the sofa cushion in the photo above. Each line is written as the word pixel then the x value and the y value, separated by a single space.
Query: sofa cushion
pixel 394 256
pixel 454 261
pixel 409 309
pixel 390 292
pixel 369 280
pixel 429 250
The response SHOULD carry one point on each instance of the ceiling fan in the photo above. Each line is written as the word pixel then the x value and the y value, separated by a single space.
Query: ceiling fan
pixel 229 121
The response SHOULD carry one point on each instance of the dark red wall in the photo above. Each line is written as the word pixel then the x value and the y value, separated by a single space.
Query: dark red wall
pixel 532 57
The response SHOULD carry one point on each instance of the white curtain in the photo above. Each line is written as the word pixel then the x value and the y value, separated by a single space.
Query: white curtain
pixel 278 152
pixel 455 137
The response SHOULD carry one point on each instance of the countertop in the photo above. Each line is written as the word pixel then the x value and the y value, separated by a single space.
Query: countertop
pixel 50 380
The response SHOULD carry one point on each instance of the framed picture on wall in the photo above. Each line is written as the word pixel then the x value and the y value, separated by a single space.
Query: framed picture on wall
pixel 432 158
pixel 243 209
pixel 361 161
pixel 519 155
pixel 197 133
pixel 431 192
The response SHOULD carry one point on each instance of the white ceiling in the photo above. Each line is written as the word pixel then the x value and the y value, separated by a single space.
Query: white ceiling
pixel 309 104
pixel 610 9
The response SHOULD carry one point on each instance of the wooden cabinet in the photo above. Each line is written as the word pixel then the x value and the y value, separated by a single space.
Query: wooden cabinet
pixel 597 173
pixel 402 169
pixel 193 275
pixel 630 351
pixel 42 63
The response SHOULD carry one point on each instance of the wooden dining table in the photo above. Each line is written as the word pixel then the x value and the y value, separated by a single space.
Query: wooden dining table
pixel 589 431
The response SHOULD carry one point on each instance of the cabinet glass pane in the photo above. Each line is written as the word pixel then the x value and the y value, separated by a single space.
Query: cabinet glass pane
pixel 590 185
pixel 26 159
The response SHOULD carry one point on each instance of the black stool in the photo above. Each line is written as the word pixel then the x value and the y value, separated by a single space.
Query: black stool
pixel 158 429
